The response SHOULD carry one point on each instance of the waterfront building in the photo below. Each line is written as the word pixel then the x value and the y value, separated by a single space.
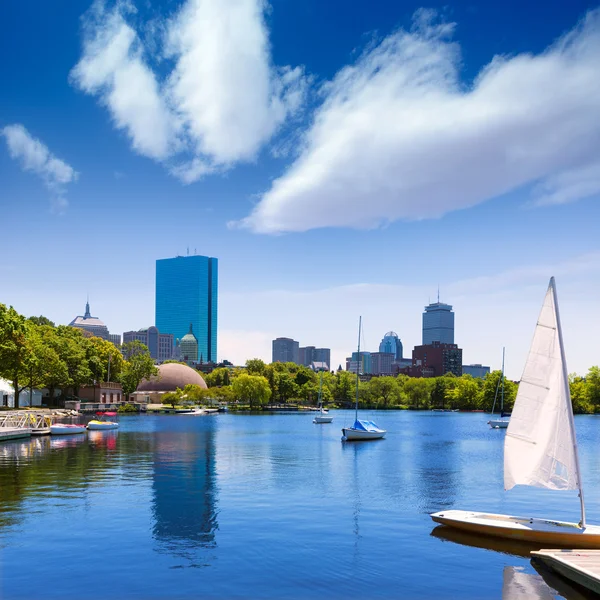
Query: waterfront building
pixel 171 376
pixel 91 324
pixel 438 324
pixel 7 396
pixel 286 350
pixel 189 347
pixel 435 360
pixel 187 292
pixel 475 370
pixel 160 345
pixel 107 392
pixel 382 363
pixel 391 343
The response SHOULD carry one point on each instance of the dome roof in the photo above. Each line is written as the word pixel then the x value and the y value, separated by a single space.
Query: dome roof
pixel 170 377
pixel 391 334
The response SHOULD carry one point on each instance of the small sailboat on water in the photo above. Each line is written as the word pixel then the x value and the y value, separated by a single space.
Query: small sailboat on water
pixel 323 416
pixel 361 430
pixel 540 448
pixel 500 423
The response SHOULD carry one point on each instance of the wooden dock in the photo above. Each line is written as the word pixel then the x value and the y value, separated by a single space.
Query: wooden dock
pixel 579 566
pixel 14 433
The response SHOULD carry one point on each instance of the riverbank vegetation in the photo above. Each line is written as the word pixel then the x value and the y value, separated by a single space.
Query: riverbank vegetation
pixel 35 353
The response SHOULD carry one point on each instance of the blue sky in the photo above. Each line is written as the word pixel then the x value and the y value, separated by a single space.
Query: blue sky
pixel 339 159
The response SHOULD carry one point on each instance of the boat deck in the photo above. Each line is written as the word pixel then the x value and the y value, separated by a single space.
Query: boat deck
pixel 579 566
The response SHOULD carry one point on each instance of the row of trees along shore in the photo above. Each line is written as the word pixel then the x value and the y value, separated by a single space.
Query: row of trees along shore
pixel 34 353
pixel 260 384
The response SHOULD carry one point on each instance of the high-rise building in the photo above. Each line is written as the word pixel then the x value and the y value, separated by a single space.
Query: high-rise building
pixel 309 355
pixel 381 363
pixel 361 362
pixel 438 324
pixel 391 344
pixel 187 292
pixel 323 356
pixel 435 360
pixel 94 326
pixel 159 344
pixel 286 350
pixel 478 371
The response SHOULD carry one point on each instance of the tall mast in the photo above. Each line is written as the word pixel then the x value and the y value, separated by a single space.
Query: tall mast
pixel 357 370
pixel 570 405
pixel 502 393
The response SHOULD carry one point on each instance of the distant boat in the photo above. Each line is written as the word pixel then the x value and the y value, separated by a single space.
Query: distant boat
pixel 540 448
pixel 103 422
pixel 361 430
pixel 66 429
pixel 500 423
pixel 444 410
pixel 323 416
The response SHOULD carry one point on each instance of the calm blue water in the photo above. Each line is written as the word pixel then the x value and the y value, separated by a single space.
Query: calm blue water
pixel 266 506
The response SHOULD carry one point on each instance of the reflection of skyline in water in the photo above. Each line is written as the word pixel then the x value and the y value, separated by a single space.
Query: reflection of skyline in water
pixel 184 489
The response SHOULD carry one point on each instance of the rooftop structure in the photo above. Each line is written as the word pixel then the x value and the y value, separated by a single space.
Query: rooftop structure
pixel 91 324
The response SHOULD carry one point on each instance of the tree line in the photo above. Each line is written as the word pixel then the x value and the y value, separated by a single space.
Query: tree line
pixel 34 353
pixel 281 383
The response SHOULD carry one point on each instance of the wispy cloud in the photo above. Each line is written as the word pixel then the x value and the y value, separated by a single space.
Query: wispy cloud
pixel 398 136
pixel 223 100
pixel 33 155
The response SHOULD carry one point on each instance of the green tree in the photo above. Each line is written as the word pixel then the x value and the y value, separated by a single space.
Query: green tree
pixel 253 389
pixel 105 360
pixel 286 386
pixel 71 348
pixel 345 385
pixel 466 394
pixel 13 348
pixel 579 397
pixel 218 377
pixel 592 385
pixel 385 390
pixel 417 390
pixel 41 320
pixel 172 398
pixel 441 386
pixel 255 366
pixel 139 365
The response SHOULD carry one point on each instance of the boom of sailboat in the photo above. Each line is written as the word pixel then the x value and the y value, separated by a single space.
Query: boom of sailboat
pixel 540 448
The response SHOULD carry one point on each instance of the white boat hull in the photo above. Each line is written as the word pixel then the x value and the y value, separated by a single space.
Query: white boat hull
pixel 66 429
pixel 101 426
pixel 538 531
pixel 351 434
pixel 322 419
pixel 498 423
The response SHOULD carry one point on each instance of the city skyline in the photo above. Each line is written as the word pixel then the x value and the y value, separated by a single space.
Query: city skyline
pixel 308 236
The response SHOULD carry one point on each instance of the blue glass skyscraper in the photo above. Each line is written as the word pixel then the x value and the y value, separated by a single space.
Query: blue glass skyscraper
pixel 186 293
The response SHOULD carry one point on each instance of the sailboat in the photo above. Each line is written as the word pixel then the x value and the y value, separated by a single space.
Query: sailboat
pixel 540 448
pixel 323 416
pixel 500 423
pixel 361 430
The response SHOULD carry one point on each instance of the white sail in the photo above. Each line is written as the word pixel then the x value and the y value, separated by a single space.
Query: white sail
pixel 540 447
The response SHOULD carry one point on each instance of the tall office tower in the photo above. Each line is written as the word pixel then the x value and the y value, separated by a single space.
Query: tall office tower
pixel 323 355
pixel 187 292
pixel 286 350
pixel 438 324
pixel 391 344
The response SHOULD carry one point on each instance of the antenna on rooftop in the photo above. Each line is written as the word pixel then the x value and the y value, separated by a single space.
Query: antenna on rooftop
pixel 438 293
pixel 188 250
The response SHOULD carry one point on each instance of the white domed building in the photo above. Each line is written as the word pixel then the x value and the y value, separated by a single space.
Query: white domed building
pixel 170 378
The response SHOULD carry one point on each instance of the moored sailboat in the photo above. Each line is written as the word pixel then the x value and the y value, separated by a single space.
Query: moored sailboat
pixel 500 423
pixel 361 430
pixel 540 448
pixel 323 416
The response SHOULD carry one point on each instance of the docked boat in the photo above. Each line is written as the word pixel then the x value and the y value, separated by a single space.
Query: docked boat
pixel 105 420
pixel 323 415
pixel 501 423
pixel 540 448
pixel 40 431
pixel 361 430
pixel 66 429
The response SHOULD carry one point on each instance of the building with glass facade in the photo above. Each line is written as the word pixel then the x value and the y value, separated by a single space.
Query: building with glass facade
pixel 160 345
pixel 438 324
pixel 476 370
pixel 391 344
pixel 187 292
pixel 286 350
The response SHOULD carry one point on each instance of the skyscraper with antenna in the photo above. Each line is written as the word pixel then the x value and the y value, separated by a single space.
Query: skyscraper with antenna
pixel 438 323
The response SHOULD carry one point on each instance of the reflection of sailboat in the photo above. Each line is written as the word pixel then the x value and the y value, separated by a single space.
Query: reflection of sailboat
pixel 361 430
pixel 323 416
pixel 540 448
pixel 500 423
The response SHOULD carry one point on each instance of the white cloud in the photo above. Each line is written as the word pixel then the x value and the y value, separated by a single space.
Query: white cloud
pixel 399 137
pixel 34 156
pixel 220 104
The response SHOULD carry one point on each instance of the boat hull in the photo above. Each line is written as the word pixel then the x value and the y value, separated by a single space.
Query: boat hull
pixel 322 419
pixel 66 429
pixel 538 531
pixel 40 431
pixel 352 435
pixel 498 423
pixel 102 425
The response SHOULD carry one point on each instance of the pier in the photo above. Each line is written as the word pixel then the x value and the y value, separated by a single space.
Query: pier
pixel 579 566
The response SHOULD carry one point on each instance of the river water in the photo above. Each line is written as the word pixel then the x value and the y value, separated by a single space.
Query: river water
pixel 270 506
